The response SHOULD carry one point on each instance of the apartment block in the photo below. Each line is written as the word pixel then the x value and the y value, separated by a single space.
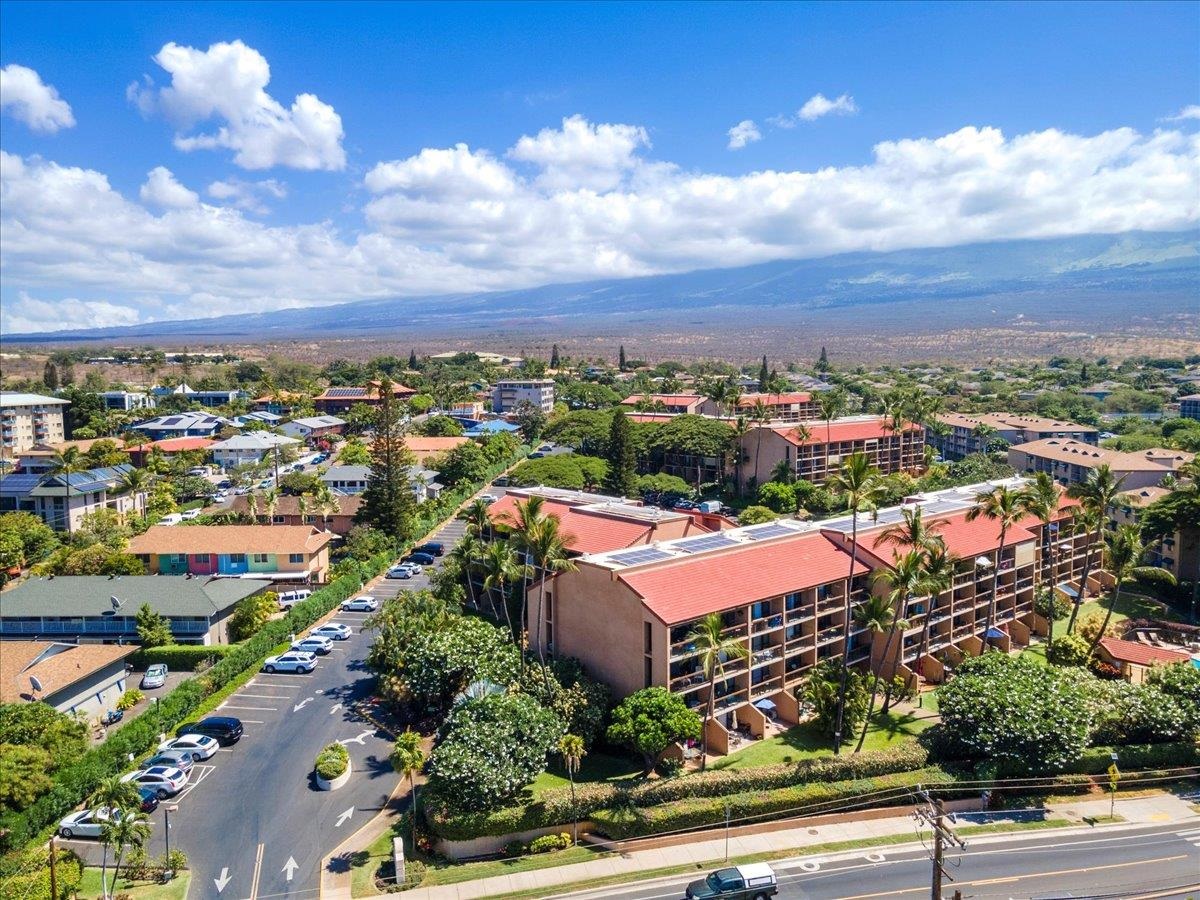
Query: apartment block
pixel 816 450
pixel 1069 461
pixel 126 401
pixel 509 394
pixel 1178 553
pixel 63 500
pixel 963 434
pixel 29 419
pixel 797 406
pixel 285 553
pixel 201 398
pixel 676 404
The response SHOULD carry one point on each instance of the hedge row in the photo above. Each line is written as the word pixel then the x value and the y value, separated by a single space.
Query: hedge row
pixel 1096 760
pixel 699 812
pixel 554 807
pixel 180 657
pixel 76 782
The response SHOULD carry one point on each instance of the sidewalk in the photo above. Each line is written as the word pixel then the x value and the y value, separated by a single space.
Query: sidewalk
pixel 1155 810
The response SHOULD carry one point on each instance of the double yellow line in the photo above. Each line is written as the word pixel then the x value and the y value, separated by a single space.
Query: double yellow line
pixel 258 858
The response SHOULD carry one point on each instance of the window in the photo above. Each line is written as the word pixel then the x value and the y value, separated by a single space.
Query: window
pixel 296 557
pixel 649 673
pixel 260 557
pixel 237 558
pixel 647 638
pixel 278 520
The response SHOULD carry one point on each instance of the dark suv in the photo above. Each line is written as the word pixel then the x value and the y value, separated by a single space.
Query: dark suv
pixel 421 559
pixel 225 729
pixel 432 548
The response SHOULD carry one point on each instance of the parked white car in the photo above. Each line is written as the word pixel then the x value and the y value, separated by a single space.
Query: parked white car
pixel 155 677
pixel 292 661
pixel 201 746
pixel 313 644
pixel 166 781
pixel 360 604
pixel 86 823
pixel 334 631
pixel 404 570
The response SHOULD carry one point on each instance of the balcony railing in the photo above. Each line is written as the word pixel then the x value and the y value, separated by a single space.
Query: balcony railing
pixel 765 656
pixel 767 686
pixel 828 635
pixel 767 624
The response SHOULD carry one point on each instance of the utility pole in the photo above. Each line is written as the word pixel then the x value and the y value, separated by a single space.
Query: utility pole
pixel 53 868
pixel 934 815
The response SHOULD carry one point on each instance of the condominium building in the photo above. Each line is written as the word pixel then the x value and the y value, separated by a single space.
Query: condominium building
pixel 797 406
pixel 201 398
pixel 667 403
pixel 1178 552
pixel 961 434
pixel 1069 461
pixel 815 450
pixel 63 500
pixel 126 401
pixel 339 400
pixel 781 588
pixel 28 419
pixel 271 552
pixel 1189 406
pixel 178 425
pixel 509 394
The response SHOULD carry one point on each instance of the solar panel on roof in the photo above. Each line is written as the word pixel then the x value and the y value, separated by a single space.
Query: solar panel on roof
pixel 637 557
pixel 708 542
pixel 768 531
pixel 342 392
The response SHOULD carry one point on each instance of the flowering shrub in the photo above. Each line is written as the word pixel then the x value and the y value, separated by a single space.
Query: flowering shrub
pixel 1126 713
pixel 548 842
pixel 1014 711
pixel 332 761
pixel 1068 650
pixel 1179 680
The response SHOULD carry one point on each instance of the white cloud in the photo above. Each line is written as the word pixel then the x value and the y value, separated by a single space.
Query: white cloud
pixel 248 195
pixel 25 97
pixel 462 219
pixel 819 105
pixel 227 82
pixel 1191 111
pixel 743 133
pixel 163 190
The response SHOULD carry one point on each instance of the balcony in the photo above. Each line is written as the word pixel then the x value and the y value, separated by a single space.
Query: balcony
pixel 804 614
pixel 828 635
pixel 860 654
pixel 767 686
pixel 830 606
pixel 765 656
pixel 768 624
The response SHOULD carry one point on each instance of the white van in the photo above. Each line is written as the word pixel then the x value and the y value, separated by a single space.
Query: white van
pixel 288 599
pixel 171 519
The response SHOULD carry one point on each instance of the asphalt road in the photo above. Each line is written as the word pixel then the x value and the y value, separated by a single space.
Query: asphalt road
pixel 1121 862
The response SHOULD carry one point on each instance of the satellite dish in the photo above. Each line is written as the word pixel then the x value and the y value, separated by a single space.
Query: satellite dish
pixel 116 604
pixel 35 684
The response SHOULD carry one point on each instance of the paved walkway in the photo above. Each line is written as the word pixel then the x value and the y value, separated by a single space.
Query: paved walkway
pixel 1157 809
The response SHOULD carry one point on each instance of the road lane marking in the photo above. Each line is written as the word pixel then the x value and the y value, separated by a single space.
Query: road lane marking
pixel 262 696
pixel 257 872
pixel 251 708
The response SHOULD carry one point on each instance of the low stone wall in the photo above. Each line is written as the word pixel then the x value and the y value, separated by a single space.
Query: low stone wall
pixel 487 846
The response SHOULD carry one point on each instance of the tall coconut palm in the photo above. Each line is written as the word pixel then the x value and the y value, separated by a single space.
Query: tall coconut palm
pixel 525 524
pixel 714 649
pixel 937 577
pixel 716 390
pixel 571 749
pixel 830 405
pixel 876 615
pixel 1041 498
pixel 408 758
pixel 1122 551
pixel 860 486
pixel 134 482
pixel 252 507
pixel 130 829
pixel 64 464
pixel 477 516
pixel 1005 507
pixel 270 504
pixel 113 794
pixel 905 581
pixel 548 549
pixel 501 565
pixel 1087 521
pixel 303 508
pixel 1099 490
pixel 760 415
pixel 913 531
pixel 466 553
pixel 326 503
pixel 741 428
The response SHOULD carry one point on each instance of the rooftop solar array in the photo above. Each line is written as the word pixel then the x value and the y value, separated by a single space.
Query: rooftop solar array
pixel 639 556
pixel 770 530
pixel 20 483
pixel 708 542
pixel 345 392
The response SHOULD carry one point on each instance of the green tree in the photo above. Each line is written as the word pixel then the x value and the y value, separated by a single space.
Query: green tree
pixel 650 720
pixel 388 501
pixel 408 758
pixel 621 358
pixel 440 426
pixel 548 547
pixel 129 830
pixel 621 479
pixel 500 567
pixel 756 515
pixel 763 374
pixel 837 710
pixel 354 453
pixel 50 375
pixel 530 420
pixel 24 775
pixel 439 663
pixel 1122 551
pixel 37 539
pixel 571 749
pixel 153 630
pixel 713 649
pixel 251 615
pixel 64 464
pixel 465 463
pixel 831 404
pixel 778 497
pixel 1006 508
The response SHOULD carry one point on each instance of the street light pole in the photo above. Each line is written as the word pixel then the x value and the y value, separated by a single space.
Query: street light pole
pixel 167 832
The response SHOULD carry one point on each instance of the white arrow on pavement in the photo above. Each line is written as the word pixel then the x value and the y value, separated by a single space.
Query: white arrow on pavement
pixel 299 706
pixel 357 739
pixel 336 707
pixel 344 816
pixel 290 867
pixel 223 880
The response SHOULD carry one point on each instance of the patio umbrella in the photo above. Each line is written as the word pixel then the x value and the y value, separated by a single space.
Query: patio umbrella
pixel 995 633
pixel 766 705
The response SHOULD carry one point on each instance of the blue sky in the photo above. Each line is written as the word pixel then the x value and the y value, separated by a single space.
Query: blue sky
pixel 371 199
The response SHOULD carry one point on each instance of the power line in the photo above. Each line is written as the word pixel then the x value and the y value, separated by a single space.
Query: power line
pixel 933 814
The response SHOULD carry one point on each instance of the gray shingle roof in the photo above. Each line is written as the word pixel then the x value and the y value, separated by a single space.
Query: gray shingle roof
pixel 88 595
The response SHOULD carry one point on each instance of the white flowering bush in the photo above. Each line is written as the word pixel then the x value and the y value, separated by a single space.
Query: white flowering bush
pixel 1016 713
pixel 1126 713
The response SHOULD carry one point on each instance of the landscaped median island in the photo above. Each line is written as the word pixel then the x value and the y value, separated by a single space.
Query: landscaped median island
pixel 332 767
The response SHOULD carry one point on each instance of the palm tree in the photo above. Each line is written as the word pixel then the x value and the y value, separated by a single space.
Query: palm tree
pixel 525 524
pixel 906 579
pixel 570 747
pixel 937 577
pixel 714 649
pixel 113 794
pixel 501 566
pixel 130 829
pixel 877 616
pixel 270 503
pixel 1007 508
pixel 1087 521
pixel 1122 551
pixel 830 404
pixel 985 434
pixel 548 549
pixel 1041 499
pixel 135 481
pixel 408 758
pixel 760 415
pixel 64 464
pixel 913 531
pixel 466 553
pixel 860 484
pixel 741 428
pixel 252 507
pixel 302 508
pixel 1099 490
pixel 477 516
pixel 326 503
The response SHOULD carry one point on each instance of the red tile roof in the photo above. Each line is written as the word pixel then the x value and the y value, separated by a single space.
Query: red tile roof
pixel 686 589
pixel 173 445
pixel 1140 654
pixel 774 399
pixel 667 399
pixel 583 533
pixel 840 431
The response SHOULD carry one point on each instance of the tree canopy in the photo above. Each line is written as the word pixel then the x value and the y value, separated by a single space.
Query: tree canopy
pixel 650 720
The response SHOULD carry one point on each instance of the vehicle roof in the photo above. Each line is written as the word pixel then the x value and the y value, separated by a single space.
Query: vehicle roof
pixel 220 720
pixel 756 870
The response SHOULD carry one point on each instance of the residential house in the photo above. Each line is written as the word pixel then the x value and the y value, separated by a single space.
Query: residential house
pixel 1102 390
pixel 202 398
pixel 29 419
pixel 104 608
pixel 425 448
pixel 282 403
pixel 287 512
pixel 168 447
pixel 177 425
pixel 248 449
pixel 1178 552
pixel 1189 406
pixel 336 400
pixel 676 404
pixel 1134 659
pixel 961 434
pixel 84 679
pixel 40 457
pixel 796 406
pixel 126 401
pixel 258 417
pixel 312 428
pixel 271 552
pixel 510 393
pixel 816 450
pixel 62 500
pixel 354 479
pixel 1069 461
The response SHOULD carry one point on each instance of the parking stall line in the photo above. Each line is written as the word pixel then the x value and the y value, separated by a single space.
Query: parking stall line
pixel 250 708
pixel 261 696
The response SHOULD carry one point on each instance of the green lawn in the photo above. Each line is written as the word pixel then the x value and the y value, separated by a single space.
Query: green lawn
pixel 1135 603
pixel 595 767
pixel 176 889
pixel 805 741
